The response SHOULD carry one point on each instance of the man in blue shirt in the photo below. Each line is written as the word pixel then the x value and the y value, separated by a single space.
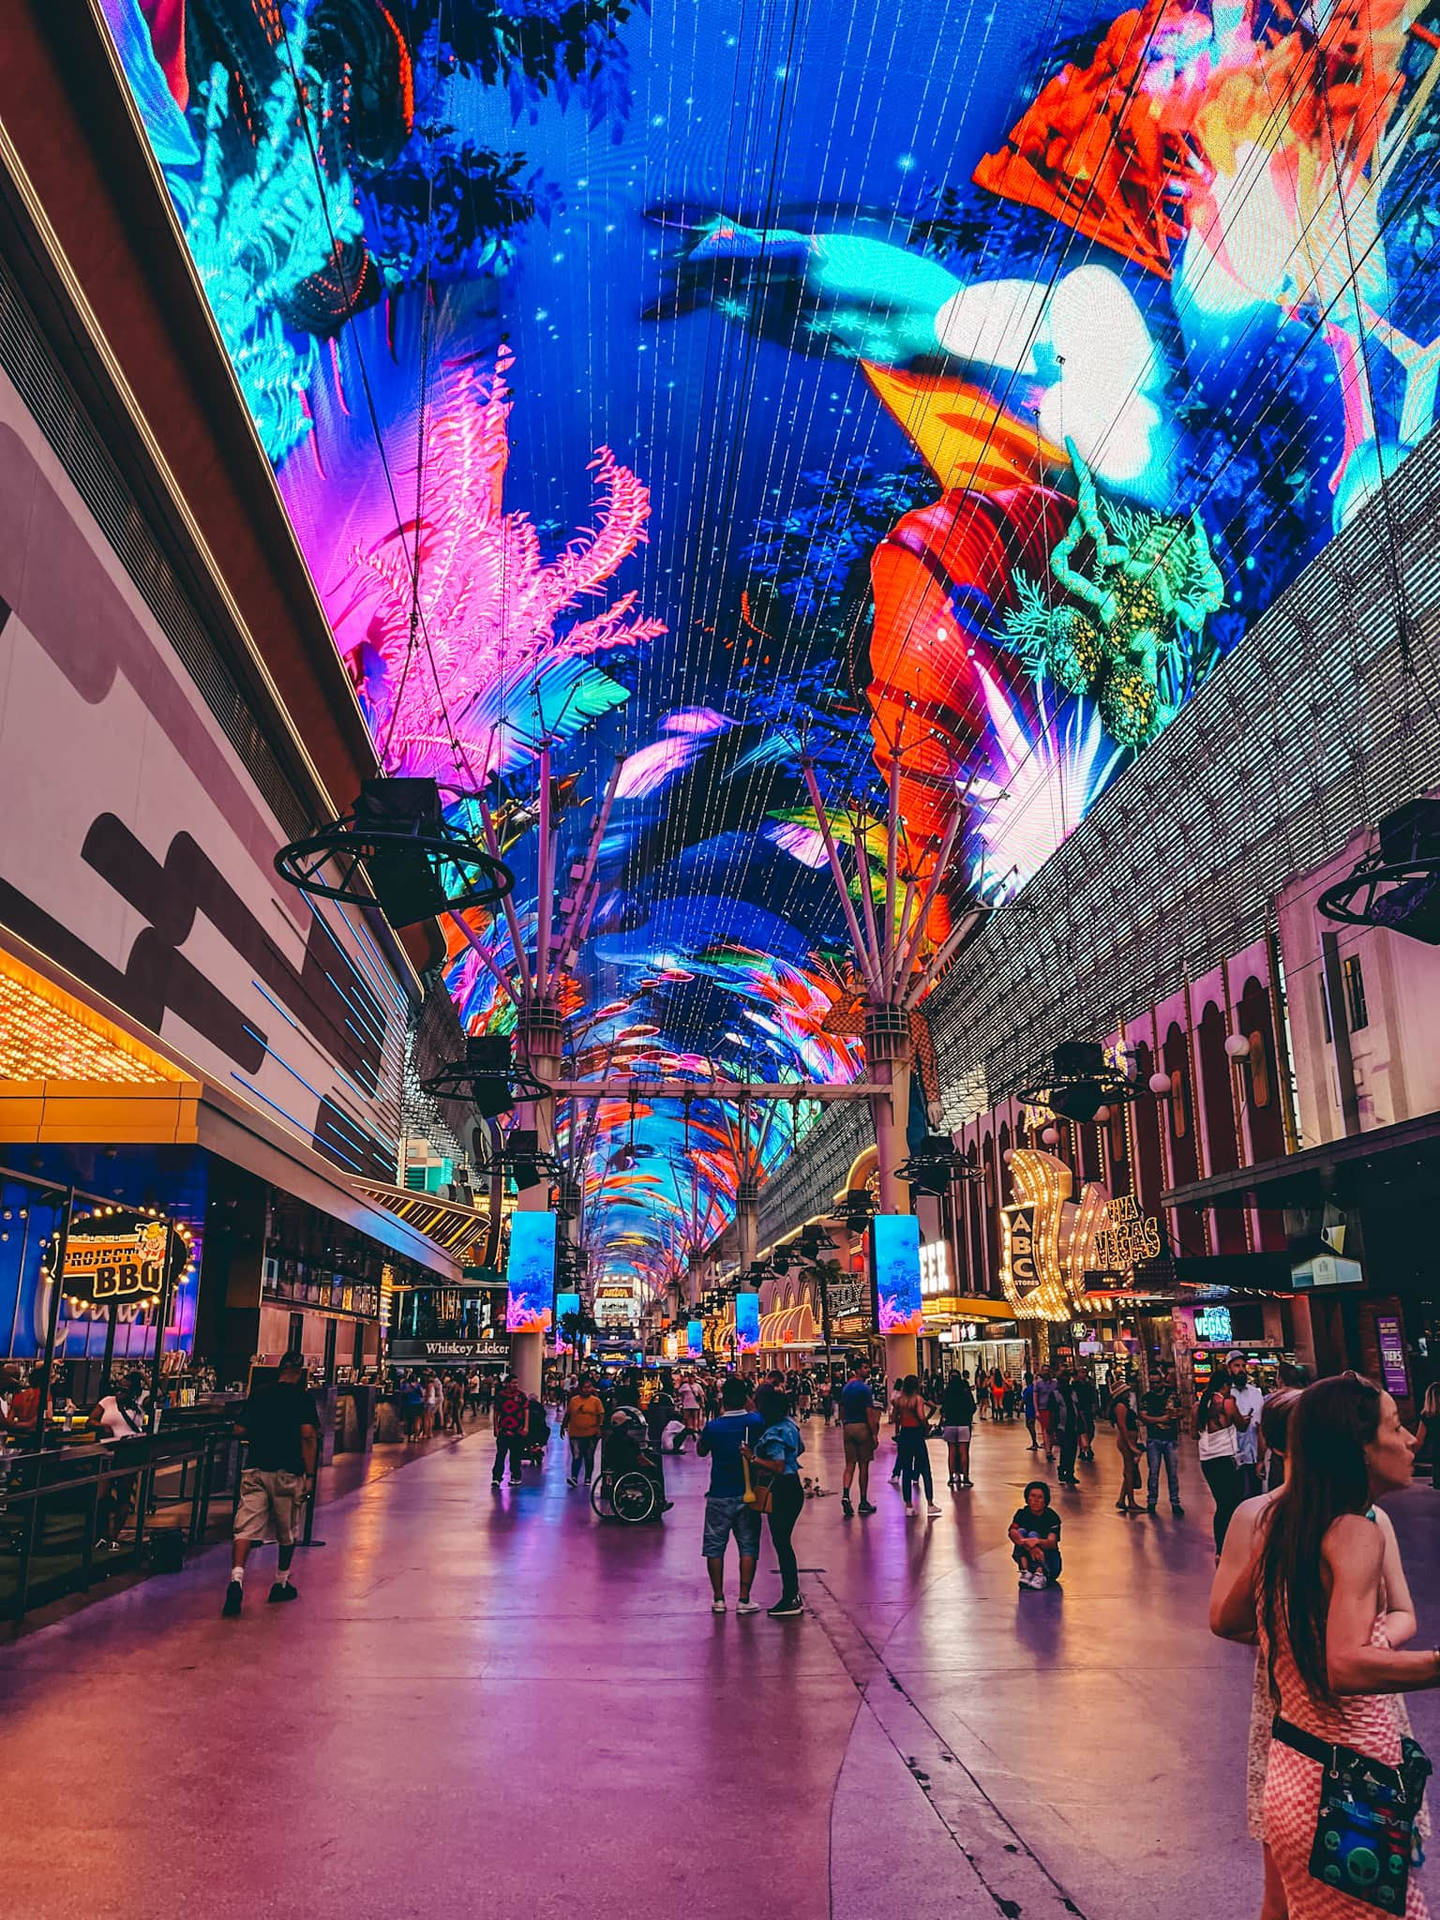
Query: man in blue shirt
pixel 725 1509
pixel 860 1423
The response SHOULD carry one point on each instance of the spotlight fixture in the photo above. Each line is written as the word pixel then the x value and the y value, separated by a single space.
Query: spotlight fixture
pixel 1081 1083
pixel 856 1210
pixel 396 836
pixel 487 1074
pixel 1398 885
pixel 519 1155
pixel 934 1164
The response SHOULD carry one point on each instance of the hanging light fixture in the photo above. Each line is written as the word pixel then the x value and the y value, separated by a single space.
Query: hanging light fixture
pixel 1398 885
pixel 395 846
pixel 487 1074
pixel 1081 1083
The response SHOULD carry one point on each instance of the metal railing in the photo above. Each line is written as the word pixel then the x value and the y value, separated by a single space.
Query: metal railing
pixel 71 1516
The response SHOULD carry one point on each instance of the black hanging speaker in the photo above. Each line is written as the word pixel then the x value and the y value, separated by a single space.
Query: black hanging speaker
pixel 396 845
pixel 1397 886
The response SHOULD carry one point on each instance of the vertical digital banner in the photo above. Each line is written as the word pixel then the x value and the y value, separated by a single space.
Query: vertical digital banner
pixel 530 1272
pixel 895 1244
pixel 1391 1338
pixel 747 1322
pixel 565 1303
pixel 695 1339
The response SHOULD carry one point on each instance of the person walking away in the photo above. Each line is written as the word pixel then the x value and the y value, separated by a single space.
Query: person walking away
pixel 1218 1441
pixel 859 1423
pixel 1066 1417
pixel 1160 1424
pixel 1085 1409
pixel 911 1414
pixel 1127 1445
pixel 1045 1410
pixel 895 1392
pixel 1027 1401
pixel 957 1414
pixel 1249 1445
pixel 281 1425
pixel 774 1461
pixel 1035 1538
pixel 511 1424
pixel 581 1423
pixel 688 1401
pixel 726 1511
pixel 1328 1605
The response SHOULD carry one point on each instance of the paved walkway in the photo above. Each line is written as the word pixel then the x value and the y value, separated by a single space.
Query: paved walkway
pixel 493 1704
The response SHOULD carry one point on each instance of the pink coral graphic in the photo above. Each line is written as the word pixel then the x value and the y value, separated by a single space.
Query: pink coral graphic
pixel 462 670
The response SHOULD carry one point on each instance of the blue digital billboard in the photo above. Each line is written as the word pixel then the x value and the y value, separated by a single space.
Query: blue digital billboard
pixel 896 1252
pixel 747 1322
pixel 530 1273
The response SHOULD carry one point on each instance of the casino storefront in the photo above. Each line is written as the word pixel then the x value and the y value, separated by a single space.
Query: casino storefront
pixel 164 1197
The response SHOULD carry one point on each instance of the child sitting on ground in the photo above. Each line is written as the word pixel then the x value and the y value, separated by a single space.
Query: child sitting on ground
pixel 1035 1531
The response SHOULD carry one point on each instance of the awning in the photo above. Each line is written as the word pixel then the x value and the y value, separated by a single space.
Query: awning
pixel 461 1230
pixel 1406 1155
pixel 77 1073
pixel 945 1307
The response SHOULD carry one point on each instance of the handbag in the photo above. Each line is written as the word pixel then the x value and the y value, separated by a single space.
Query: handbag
pixel 1220 1445
pixel 1365 1838
pixel 758 1499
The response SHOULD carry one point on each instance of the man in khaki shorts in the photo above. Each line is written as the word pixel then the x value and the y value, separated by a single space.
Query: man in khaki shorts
pixel 860 1423
pixel 282 1426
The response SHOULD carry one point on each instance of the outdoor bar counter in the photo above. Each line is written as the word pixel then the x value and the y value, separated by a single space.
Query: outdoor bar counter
pixel 60 1502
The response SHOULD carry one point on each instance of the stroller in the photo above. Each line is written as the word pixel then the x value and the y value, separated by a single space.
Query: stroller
pixel 537 1435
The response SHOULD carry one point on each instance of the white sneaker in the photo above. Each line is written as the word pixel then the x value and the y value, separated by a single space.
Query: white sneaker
pixel 932 1508
pixel 747 1606
pixel 717 1606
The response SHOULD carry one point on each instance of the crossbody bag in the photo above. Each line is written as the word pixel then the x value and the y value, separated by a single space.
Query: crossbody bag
pixel 1365 1826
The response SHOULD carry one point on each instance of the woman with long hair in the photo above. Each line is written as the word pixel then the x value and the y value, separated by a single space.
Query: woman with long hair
pixel 775 1460
pixel 1216 1431
pixel 1127 1445
pixel 911 1415
pixel 1323 1591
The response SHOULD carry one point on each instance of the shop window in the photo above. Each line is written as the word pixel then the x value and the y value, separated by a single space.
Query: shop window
pixel 1356 1012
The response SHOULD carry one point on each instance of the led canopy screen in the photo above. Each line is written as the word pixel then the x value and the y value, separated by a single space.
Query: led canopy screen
pixel 940 388
pixel 530 1274
pixel 747 1322
pixel 895 1240
pixel 695 1339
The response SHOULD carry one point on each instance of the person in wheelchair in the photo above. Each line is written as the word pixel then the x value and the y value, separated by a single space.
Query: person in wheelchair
pixel 627 1446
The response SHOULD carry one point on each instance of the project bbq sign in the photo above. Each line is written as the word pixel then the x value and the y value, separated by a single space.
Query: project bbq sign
pixel 115 1257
